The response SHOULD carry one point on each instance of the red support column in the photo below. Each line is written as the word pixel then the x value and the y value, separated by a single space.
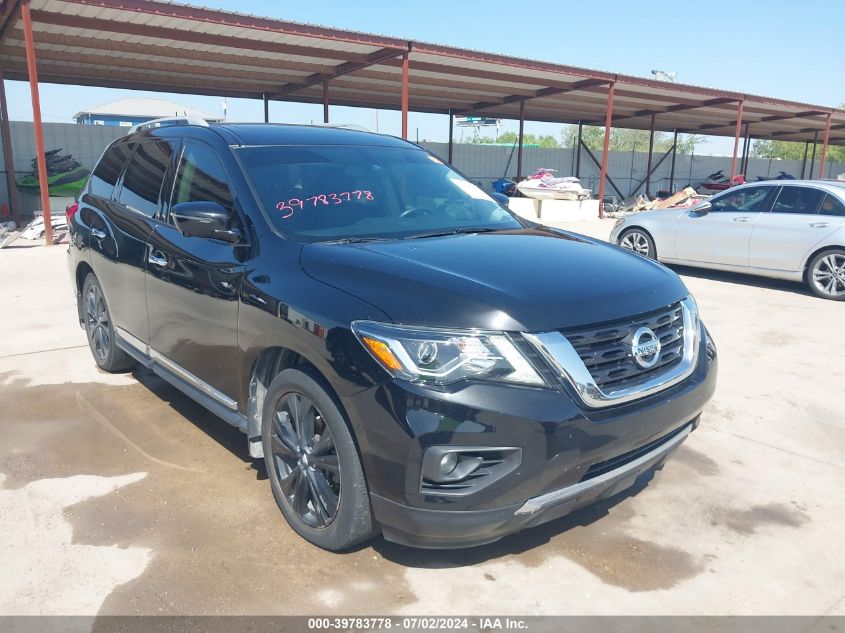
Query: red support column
pixel 650 154
pixel 405 68
pixel 36 120
pixel 325 101
pixel 736 137
pixel 608 122
pixel 7 152
pixel 520 139
pixel 451 128
pixel 824 145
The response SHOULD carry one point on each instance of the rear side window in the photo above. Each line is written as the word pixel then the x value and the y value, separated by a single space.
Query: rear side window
pixel 831 205
pixel 747 200
pixel 108 170
pixel 201 178
pixel 144 177
pixel 798 200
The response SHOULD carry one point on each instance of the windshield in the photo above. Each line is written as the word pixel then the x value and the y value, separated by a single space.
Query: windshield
pixel 322 193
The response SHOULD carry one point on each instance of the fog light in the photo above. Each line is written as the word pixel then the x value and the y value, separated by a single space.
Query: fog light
pixel 448 463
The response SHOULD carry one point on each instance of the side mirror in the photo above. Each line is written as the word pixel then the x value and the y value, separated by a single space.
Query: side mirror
pixel 702 208
pixel 501 198
pixel 204 219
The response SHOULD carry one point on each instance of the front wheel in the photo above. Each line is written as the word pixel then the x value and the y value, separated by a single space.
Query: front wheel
pixel 826 274
pixel 312 464
pixel 638 241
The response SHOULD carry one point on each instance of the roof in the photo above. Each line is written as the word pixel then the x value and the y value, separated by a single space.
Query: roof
pixel 163 46
pixel 153 108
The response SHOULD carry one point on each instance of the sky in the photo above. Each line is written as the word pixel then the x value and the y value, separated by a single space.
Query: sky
pixel 790 50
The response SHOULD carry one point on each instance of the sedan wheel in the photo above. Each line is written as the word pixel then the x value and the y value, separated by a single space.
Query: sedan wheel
pixel 639 242
pixel 826 276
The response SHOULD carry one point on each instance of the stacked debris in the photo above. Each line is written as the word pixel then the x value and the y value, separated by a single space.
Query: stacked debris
pixel 65 175
pixel 686 197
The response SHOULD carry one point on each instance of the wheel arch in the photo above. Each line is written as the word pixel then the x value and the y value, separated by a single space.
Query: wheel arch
pixel 83 269
pixel 269 363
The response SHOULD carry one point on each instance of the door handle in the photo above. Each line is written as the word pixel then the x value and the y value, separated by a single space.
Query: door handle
pixel 742 218
pixel 157 258
pixel 820 225
pixel 98 233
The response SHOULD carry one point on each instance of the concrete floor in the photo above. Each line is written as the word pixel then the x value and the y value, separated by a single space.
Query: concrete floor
pixel 118 495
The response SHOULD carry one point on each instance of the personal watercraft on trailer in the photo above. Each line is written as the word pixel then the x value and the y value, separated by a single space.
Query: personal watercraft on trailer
pixel 65 175
pixel 542 184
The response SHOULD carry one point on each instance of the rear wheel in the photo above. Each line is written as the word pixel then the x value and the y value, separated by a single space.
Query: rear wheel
pixel 98 326
pixel 638 241
pixel 312 463
pixel 826 274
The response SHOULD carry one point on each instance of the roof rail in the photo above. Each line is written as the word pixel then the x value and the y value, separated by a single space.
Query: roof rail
pixel 345 126
pixel 168 121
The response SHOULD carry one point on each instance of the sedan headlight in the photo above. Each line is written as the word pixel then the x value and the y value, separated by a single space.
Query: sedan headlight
pixel 442 357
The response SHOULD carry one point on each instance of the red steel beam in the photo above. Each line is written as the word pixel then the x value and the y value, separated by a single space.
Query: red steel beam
pixel 7 151
pixel 825 141
pixel 679 107
pixel 40 157
pixel 405 71
pixel 11 13
pixel 537 94
pixel 520 140
pixel 342 69
pixel 608 123
pixel 736 137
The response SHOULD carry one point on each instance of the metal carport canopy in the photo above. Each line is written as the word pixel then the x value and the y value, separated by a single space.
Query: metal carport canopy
pixel 151 45
pixel 162 46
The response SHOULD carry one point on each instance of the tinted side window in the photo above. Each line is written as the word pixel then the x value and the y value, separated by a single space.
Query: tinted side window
pixel 108 170
pixel 748 200
pixel 144 177
pixel 798 200
pixel 200 177
pixel 832 205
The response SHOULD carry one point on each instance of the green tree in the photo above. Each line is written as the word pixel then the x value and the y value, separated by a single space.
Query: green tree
pixel 794 151
pixel 546 140
pixel 628 140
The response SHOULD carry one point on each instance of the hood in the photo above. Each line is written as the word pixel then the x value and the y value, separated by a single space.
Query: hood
pixel 527 280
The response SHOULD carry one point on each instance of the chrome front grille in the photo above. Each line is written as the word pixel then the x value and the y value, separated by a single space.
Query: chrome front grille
pixel 598 361
pixel 606 349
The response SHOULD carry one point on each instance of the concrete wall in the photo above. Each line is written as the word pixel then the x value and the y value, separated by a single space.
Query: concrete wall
pixel 481 163
pixel 84 142
pixel 485 164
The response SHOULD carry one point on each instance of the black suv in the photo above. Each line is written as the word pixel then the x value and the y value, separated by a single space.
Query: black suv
pixel 405 354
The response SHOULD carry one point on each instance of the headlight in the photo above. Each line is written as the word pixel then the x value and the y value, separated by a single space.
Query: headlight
pixel 441 357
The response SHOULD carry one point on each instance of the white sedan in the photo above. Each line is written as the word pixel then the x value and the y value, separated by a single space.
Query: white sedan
pixel 784 229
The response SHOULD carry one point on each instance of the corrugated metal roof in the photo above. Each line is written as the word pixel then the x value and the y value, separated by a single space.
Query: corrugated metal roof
pixel 156 45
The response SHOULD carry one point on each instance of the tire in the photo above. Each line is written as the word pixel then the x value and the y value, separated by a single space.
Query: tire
pixel 313 465
pixel 826 274
pixel 100 330
pixel 638 241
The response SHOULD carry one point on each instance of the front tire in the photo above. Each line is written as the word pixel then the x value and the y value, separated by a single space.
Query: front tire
pixel 826 274
pixel 313 465
pixel 638 241
pixel 100 330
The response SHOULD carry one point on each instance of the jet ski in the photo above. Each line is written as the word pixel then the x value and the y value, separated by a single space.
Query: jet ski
pixel 65 175
pixel 543 185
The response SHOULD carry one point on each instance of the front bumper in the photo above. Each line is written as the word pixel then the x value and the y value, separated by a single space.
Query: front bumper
pixel 563 447
pixel 449 529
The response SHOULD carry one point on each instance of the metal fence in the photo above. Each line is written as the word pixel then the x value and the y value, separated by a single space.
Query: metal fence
pixel 481 163
pixel 486 163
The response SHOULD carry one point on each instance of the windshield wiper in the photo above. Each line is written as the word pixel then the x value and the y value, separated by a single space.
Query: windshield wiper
pixel 356 240
pixel 458 231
